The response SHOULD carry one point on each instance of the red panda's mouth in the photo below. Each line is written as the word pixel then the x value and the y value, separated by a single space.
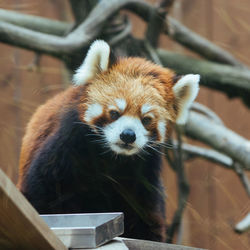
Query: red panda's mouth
pixel 125 146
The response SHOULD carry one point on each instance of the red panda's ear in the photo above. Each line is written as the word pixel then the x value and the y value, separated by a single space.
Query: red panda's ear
pixel 97 60
pixel 185 91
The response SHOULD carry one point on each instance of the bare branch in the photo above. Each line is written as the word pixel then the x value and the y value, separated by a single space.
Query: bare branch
pixel 32 40
pixel 183 187
pixel 198 44
pixel 35 64
pixel 74 41
pixel 99 16
pixel 36 23
pixel 233 81
pixel 152 53
pixel 206 111
pixel 216 157
pixel 220 138
pixel 243 225
pixel 121 35
pixel 243 177
pixel 187 37
pixel 106 8
pixel 208 154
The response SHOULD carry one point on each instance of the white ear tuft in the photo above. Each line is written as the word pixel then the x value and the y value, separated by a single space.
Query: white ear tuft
pixel 185 91
pixel 97 60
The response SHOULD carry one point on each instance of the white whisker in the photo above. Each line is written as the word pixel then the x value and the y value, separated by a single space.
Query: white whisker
pixel 162 144
pixel 140 156
pixel 91 126
pixel 153 148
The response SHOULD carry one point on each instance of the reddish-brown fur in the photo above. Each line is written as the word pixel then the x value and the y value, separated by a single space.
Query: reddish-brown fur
pixel 43 124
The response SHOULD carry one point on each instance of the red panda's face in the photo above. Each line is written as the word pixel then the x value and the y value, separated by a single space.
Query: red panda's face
pixel 129 113
pixel 133 103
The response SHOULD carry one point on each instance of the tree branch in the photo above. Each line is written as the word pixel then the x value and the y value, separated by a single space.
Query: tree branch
pixel 121 35
pixel 208 154
pixel 243 177
pixel 32 40
pixel 243 225
pixel 152 53
pixel 177 31
pixel 187 37
pixel 74 41
pixel 183 187
pixel 220 138
pixel 199 44
pixel 43 25
pixel 207 112
pixel 233 81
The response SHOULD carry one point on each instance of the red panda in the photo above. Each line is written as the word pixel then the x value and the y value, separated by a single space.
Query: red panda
pixel 96 146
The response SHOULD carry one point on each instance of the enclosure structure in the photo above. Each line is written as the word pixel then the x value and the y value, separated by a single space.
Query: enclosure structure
pixel 21 227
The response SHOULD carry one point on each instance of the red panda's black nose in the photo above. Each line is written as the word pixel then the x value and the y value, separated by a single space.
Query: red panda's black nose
pixel 128 136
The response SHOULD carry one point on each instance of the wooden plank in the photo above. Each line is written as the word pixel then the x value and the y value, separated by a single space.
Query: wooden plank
pixel 20 225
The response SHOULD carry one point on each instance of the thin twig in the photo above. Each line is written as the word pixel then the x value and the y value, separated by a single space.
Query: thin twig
pixel 152 53
pixel 219 137
pixel 121 35
pixel 35 64
pixel 199 44
pixel 243 225
pixel 206 111
pixel 187 37
pixel 183 188
pixel 243 177
pixel 192 151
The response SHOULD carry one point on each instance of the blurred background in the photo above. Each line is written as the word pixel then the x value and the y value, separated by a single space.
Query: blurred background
pixel 217 199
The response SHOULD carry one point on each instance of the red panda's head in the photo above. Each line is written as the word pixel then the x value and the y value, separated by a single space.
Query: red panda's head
pixel 132 103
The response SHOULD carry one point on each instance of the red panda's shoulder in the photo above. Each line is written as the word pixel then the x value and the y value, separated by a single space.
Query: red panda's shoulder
pixel 43 124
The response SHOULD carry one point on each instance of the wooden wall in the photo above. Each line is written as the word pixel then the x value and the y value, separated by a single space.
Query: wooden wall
pixel 217 200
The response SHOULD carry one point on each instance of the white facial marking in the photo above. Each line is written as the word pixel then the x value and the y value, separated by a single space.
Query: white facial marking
pixel 146 108
pixel 113 130
pixel 162 130
pixel 121 104
pixel 112 107
pixel 93 111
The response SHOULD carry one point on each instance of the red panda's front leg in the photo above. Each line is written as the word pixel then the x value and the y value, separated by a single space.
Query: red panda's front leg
pixel 51 180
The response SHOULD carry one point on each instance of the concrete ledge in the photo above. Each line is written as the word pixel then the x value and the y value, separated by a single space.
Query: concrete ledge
pixel 133 244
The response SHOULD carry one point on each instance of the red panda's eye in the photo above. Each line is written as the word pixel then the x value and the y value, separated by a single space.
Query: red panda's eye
pixel 146 121
pixel 114 115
